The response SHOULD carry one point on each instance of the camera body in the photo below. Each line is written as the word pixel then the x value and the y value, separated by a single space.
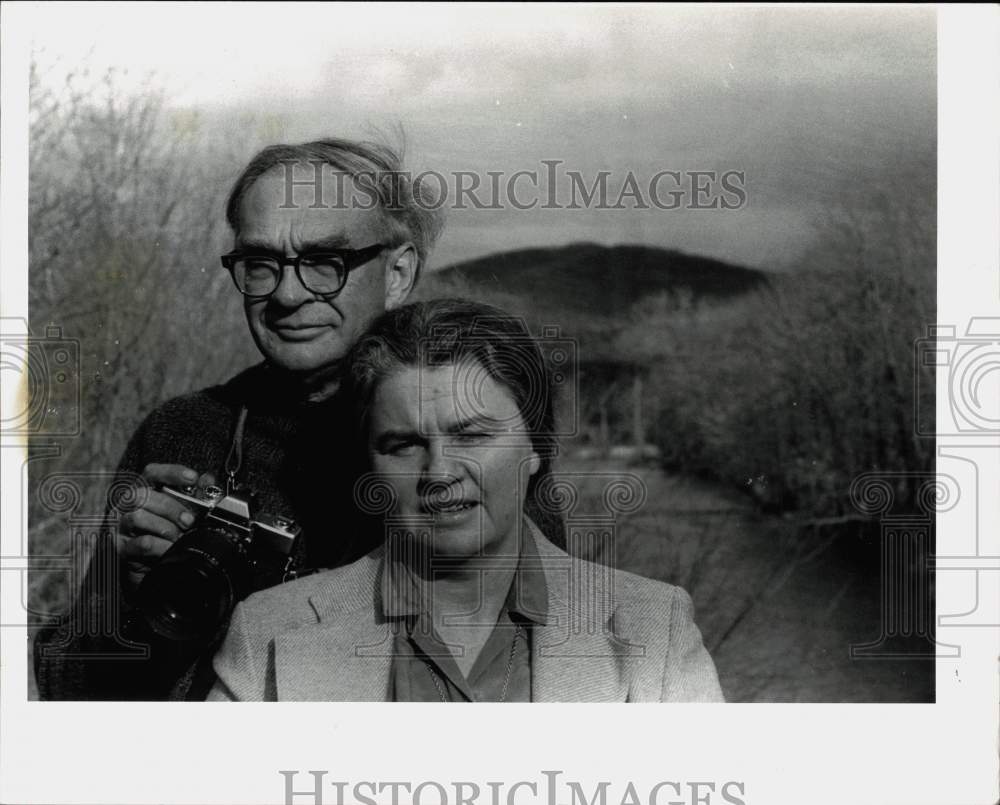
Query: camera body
pixel 224 556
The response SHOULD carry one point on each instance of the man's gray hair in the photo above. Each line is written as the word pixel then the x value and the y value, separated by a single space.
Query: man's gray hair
pixel 407 214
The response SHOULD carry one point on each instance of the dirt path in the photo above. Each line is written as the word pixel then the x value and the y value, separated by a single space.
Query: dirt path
pixel 779 610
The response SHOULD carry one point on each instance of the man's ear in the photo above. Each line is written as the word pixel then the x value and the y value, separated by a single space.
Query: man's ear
pixel 400 275
pixel 534 463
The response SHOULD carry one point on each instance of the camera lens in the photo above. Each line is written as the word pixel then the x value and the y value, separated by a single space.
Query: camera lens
pixel 190 592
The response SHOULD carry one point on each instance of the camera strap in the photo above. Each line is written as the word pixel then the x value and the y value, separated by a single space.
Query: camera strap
pixel 235 458
pixel 233 463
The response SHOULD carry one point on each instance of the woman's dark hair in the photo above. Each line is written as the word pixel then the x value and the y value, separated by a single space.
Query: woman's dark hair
pixel 444 332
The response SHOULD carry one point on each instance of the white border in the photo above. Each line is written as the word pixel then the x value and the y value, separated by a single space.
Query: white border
pixel 907 754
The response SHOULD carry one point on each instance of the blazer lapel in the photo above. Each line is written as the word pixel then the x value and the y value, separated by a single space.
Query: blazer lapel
pixel 575 655
pixel 575 666
pixel 346 656
pixel 345 661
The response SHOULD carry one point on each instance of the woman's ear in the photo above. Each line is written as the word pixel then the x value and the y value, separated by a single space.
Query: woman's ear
pixel 534 463
pixel 400 275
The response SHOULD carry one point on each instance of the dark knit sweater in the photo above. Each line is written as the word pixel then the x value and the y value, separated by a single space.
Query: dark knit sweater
pixel 297 458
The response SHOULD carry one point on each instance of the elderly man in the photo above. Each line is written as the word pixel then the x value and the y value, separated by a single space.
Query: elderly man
pixel 316 258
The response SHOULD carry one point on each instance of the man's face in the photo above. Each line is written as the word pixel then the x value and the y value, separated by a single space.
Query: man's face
pixel 294 328
pixel 453 445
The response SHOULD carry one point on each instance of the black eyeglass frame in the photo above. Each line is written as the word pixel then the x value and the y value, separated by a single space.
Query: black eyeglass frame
pixel 351 258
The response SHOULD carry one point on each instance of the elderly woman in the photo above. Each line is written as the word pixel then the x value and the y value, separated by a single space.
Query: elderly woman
pixel 467 599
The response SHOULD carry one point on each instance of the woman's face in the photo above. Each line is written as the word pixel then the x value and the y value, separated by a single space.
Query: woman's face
pixel 453 445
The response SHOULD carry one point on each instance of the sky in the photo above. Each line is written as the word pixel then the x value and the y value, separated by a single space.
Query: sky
pixel 813 106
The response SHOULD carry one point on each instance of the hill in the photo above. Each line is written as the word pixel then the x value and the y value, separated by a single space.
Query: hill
pixel 590 291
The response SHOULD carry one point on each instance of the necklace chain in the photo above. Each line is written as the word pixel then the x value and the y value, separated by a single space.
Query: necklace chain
pixel 506 677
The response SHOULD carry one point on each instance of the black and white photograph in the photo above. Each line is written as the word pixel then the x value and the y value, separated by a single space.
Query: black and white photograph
pixel 377 357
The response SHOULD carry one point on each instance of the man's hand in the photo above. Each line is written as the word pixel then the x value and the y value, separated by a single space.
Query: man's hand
pixel 147 532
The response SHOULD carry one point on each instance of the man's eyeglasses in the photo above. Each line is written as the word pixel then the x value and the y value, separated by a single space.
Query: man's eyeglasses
pixel 322 273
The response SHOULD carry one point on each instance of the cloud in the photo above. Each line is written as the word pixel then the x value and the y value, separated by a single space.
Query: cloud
pixel 806 101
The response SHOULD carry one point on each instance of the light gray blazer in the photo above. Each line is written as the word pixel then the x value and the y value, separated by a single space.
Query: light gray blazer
pixel 611 636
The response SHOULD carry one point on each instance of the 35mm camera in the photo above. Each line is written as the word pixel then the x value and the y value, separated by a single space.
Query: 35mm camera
pixel 227 554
